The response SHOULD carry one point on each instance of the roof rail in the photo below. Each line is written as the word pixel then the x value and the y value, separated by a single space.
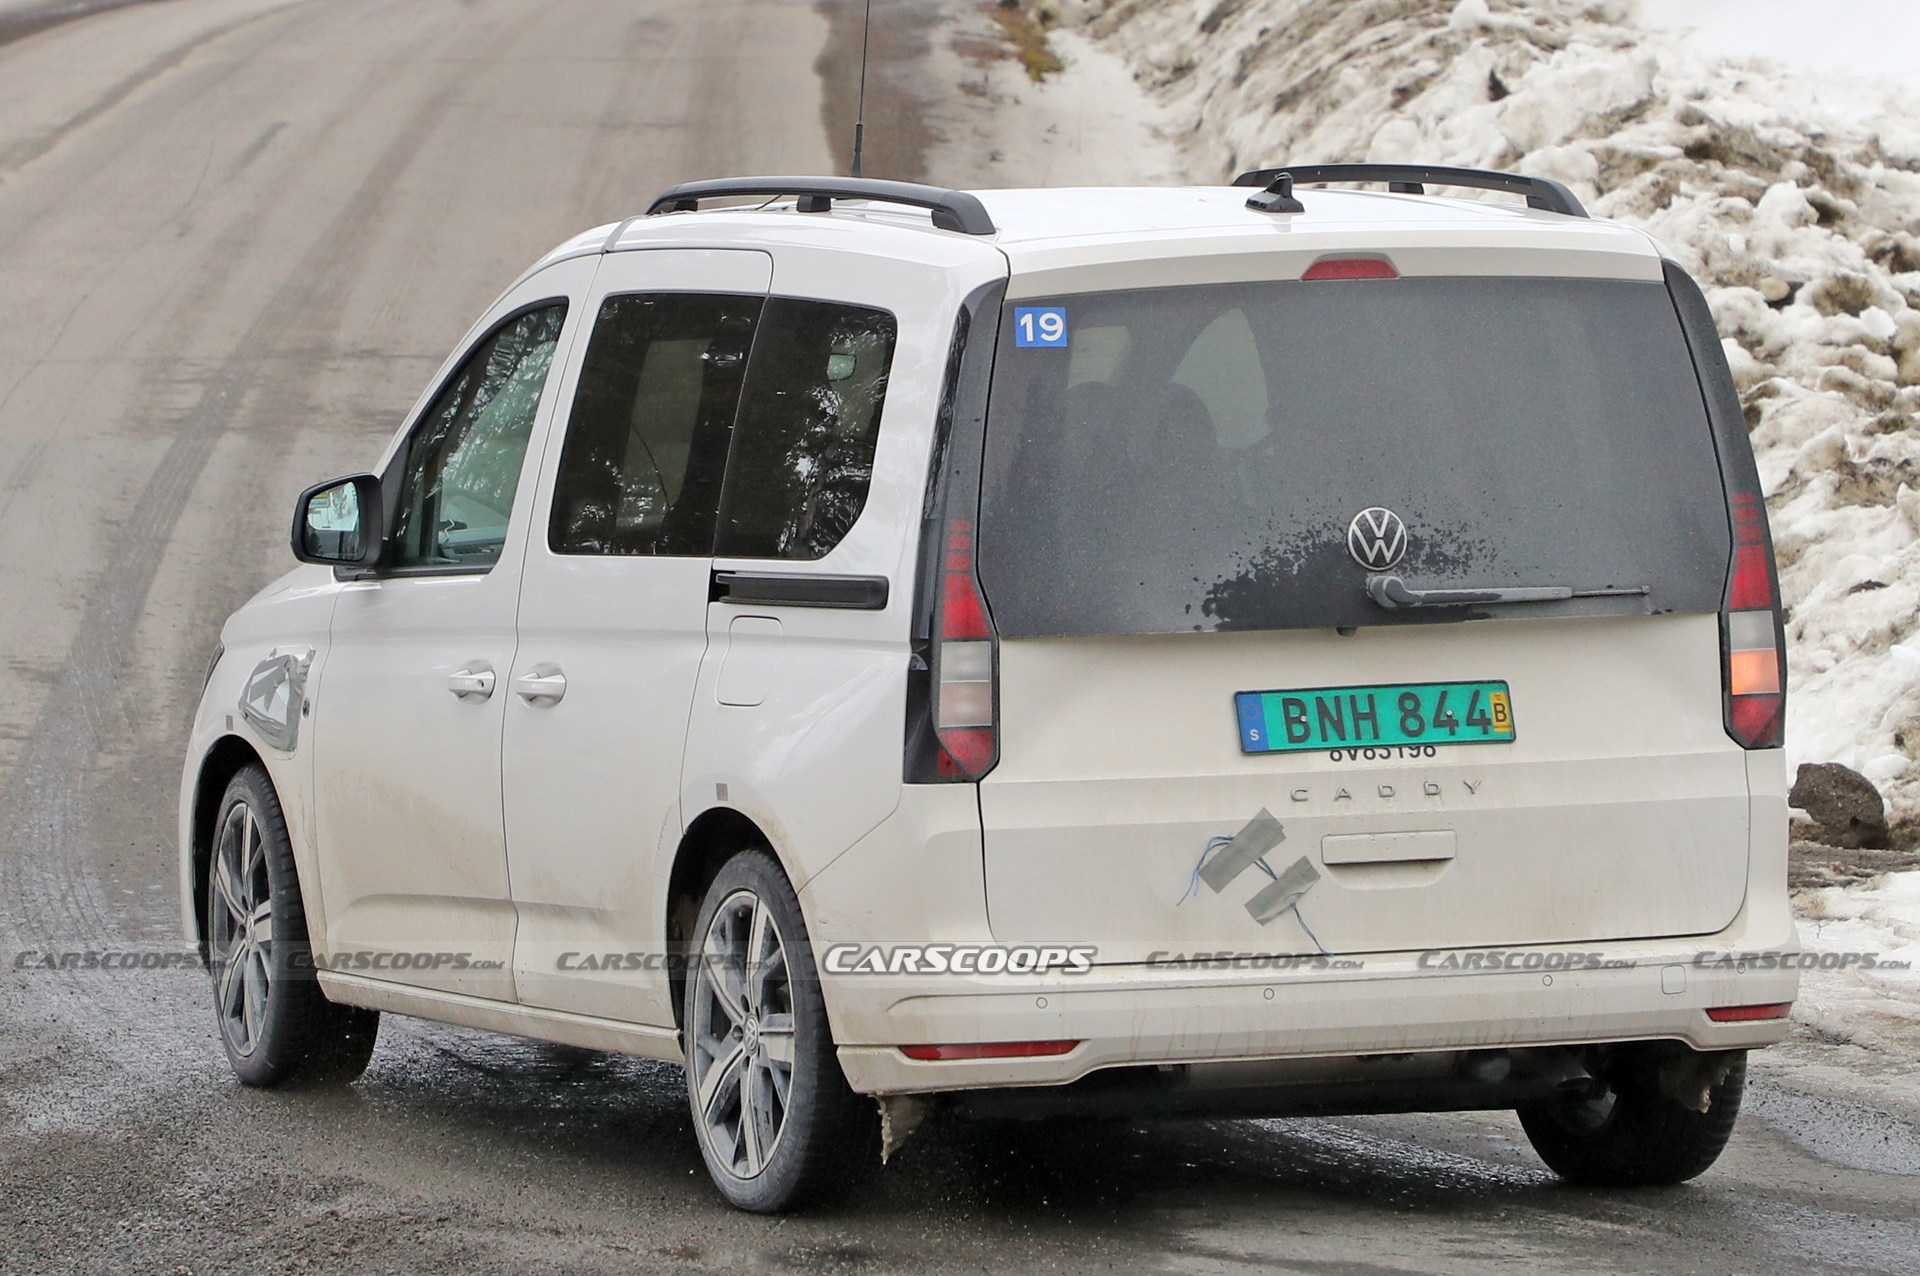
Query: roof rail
pixel 952 210
pixel 1410 179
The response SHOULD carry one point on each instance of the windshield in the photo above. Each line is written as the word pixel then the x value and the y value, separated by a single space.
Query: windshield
pixel 1177 459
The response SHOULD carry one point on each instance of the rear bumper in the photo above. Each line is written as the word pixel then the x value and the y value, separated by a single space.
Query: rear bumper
pixel 1398 1003
pixel 920 876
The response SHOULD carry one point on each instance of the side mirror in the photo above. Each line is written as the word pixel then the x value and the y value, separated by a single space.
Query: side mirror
pixel 338 523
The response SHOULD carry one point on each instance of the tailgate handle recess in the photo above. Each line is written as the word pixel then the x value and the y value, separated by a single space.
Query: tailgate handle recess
pixel 1387 848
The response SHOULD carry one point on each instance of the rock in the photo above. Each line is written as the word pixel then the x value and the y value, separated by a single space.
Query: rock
pixel 1845 807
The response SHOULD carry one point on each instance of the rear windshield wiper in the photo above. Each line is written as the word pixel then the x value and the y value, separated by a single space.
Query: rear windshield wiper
pixel 1394 594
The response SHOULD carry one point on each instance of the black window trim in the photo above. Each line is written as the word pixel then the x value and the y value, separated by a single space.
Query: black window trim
pixel 395 474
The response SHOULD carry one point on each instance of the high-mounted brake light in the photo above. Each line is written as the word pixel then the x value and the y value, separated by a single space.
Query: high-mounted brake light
pixel 1352 268
pixel 991 1050
pixel 1755 664
pixel 1747 1014
pixel 963 664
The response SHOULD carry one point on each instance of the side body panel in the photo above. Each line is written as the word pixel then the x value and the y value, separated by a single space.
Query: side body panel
pixel 799 719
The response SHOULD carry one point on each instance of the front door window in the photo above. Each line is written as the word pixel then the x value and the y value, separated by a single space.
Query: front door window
pixel 462 464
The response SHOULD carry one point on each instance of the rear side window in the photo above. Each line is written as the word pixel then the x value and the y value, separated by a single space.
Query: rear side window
pixel 1193 457
pixel 646 446
pixel 809 420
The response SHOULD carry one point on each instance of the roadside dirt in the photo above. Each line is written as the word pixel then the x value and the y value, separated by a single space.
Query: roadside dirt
pixel 898 89
pixel 1811 865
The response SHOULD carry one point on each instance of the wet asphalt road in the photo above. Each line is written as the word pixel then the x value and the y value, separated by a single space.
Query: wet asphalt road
pixel 235 236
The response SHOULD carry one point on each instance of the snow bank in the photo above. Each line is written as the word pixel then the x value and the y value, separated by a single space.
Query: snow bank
pixel 1877 1005
pixel 1798 212
pixel 1883 919
pixel 1858 37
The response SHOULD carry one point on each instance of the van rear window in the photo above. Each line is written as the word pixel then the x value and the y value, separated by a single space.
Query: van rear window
pixel 1177 459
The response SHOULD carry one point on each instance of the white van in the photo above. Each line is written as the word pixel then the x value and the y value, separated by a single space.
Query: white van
pixel 1250 650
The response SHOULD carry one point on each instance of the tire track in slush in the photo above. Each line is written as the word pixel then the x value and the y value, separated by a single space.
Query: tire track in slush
pixel 48 879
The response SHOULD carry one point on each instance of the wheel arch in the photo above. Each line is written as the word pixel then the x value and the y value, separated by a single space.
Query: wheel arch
pixel 226 758
pixel 713 838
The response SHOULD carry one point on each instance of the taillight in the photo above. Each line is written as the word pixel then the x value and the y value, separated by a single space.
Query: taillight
pixel 1755 672
pixel 963 665
pixel 952 698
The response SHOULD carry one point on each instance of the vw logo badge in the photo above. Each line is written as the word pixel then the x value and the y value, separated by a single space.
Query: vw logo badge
pixel 1376 538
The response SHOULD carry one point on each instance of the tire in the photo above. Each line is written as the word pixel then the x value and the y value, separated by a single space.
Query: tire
pixel 1633 1135
pixel 275 1024
pixel 778 1127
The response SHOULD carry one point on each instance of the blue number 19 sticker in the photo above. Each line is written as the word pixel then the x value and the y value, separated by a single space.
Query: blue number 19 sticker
pixel 1039 326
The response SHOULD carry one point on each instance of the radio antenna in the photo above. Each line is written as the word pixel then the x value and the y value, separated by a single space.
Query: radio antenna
pixel 860 112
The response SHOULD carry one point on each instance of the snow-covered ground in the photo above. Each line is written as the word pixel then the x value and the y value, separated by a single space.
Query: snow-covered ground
pixel 1857 1027
pixel 1882 919
pixel 1774 146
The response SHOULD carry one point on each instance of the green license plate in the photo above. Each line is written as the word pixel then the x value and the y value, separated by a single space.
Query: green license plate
pixel 1423 713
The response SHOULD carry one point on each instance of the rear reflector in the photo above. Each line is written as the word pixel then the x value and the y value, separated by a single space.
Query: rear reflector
pixel 1746 1014
pixel 1352 268
pixel 991 1050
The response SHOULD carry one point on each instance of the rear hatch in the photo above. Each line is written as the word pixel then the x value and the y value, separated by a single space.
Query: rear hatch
pixel 1179 486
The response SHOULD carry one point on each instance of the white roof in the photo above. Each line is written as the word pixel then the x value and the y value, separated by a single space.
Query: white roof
pixel 1077 229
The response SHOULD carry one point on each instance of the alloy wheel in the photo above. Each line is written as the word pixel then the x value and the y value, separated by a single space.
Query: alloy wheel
pixel 741 1036
pixel 241 932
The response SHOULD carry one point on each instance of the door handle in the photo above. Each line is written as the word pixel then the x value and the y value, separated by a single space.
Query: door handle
pixel 477 683
pixel 543 684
